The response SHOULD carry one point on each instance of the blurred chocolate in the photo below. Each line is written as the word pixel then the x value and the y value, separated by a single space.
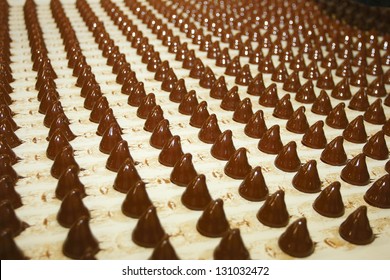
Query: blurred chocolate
pixel 136 201
pixel 231 247
pixel 196 195
pixel 148 232
pixel 164 250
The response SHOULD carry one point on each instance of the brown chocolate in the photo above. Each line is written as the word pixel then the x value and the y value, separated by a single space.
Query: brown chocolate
pixel 377 88
pixel 375 113
pixel 7 169
pixel 292 82
pixel 162 71
pixel 196 195
pixel 200 115
pixel 110 138
pixel 273 212
pixel 136 95
pixel 231 247
pixel 148 232
pixel 68 181
pixel 280 74
pixel 219 89
pixel 184 171
pixel 7 192
pixel 266 66
pixel 57 142
pixel 208 78
pixel 322 105
pixel 126 177
pixel 106 120
pixel 356 228
pixel 64 159
pixel 269 97
pixel 342 91
pixel 271 143
pixel 72 208
pixel 287 158
pixel 61 122
pixel 283 108
pixel 244 76
pixel 118 155
pixel 238 166
pixel 164 250
pixel 100 106
pixel 189 103
pixel 359 101
pixel 210 130
pixel 355 131
pixel 213 222
pixel 6 150
pixel 161 134
pixel 9 220
pixel 376 147
pixel 311 72
pixel 297 123
pixel 9 249
pixel 334 153
pixel 359 78
pixel 231 100
pixel 330 202
pixel 136 201
pixel 256 85
pixel 243 112
pixel 314 137
pixel 178 91
pixel 234 67
pixel 307 179
pixel 378 195
pixel 171 152
pixel 356 172
pixel 146 106
pixel 337 118
pixel 154 117
pixel 197 70
pixel 223 147
pixel 256 126
pixel 253 187
pixel 169 80
pixel 8 134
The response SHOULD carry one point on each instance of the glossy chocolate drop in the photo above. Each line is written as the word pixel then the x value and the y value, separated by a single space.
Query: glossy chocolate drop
pixel 234 67
pixel 292 82
pixel 219 89
pixel 118 155
pixel 375 113
pixel 355 131
pixel 213 222
pixel 231 247
pixel 7 169
pixel 256 86
pixel 256 126
pixel 136 201
pixel 223 147
pixel 238 166
pixel 161 134
pixel 169 80
pixel 266 66
pixel 298 122
pixel 146 106
pixel 208 78
pixel 253 187
pixel 334 153
pixel 344 69
pixel 71 209
pixel 63 159
pixel 161 71
pixel 337 118
pixel 298 63
pixel 164 250
pixel 307 179
pixel 271 143
pixel 200 115
pixel 155 116
pixel 356 228
pixel 189 60
pixel 356 172
pixel 61 122
pixel 68 181
pixel 189 103
pixel 280 74
pixel 341 90
pixel 330 203
pixel 378 195
pixel 314 137
pixel 296 240
pixel 359 101
pixel 9 220
pixel 311 72
pixel 57 142
pixel 197 69
pixel 98 110
pixel 8 134
pixel 231 100
pixel 148 232
pixel 136 95
pixel 244 76
pixel 80 242
pixel 178 91
pixel 9 249
pixel 273 212
pixel 322 105
pixel 110 138
pixel 196 195
pixel 305 93
pixel 325 80
pixel 184 171
pixel 106 121
pixel 377 88
pixel 5 115
pixel 376 147
pixel 171 152
pixel 358 78
pixel 7 192
pixel 287 158
pixel 210 130
pixel 243 112
pixel 126 177
pixel 283 108
pixel 269 98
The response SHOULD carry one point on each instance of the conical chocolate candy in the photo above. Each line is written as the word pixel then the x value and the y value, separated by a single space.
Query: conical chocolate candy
pixel 69 180
pixel 387 167
pixel 52 112
pixel 110 138
pixel 356 172
pixel 314 137
pixel 7 192
pixel 57 142
pixel 378 195
pixel 359 101
pixel 189 60
pixel 292 82
pixel 148 232
pixel 344 69
pixel 305 93
pixel 283 108
pixel 330 202
pixel 213 222
pixel 322 105
pixel 296 240
pixel 189 103
pixel 8 134
pixel 273 212
pixel 92 97
pixel 375 113
pixel 161 71
pixel 80 242
pixel 164 251
pixel 256 86
pixel 171 152
pixel 118 156
pixel 196 195
pixel 269 97
pixel 377 88
pixel 5 114
pixel 256 126
pixel 298 63
pixel 154 117
pixel 223 58
pixel 208 78
pixel 136 95
pixel 287 158
pixel 307 179
pixel 238 166
pixel 280 74
pixel 337 118
pixel 72 208
pixel 234 67
pixel 311 72
pixel 298 122
pixel 334 153
pixel 146 106
pixel 126 177
pixel 359 78
pixel 107 119
pixel 385 129
pixel 9 220
pixel 197 70
pixel 355 131
pixel 100 106
pixel 178 91
pixel 9 249
pixel 231 247
pixel 356 228
pixel 200 115
pixel 137 201
pixel 231 100
pixel 210 130
pixel 7 169
pixel 184 171
pixel 341 91
pixel 253 187
pixel 243 112
pixel 271 143
pixel 61 122
pixel 223 147
pixel 325 80
pixel 64 159
pixel 376 147
pixel 266 66
pixel 219 89
pixel 169 81
pixel 244 76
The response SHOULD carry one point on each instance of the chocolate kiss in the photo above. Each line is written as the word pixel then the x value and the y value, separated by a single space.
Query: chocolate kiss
pixel 189 60
pixel 322 105
pixel 356 228
pixel 197 69
pixel 269 98
pixel 69 180
pixel 315 137
pixel 148 232
pixel 280 74
pixel 311 72
pixel 154 117
pixel 287 159
pixel 356 172
pixel 213 222
pixel 171 152
pixel 359 101
pixel 137 95
pixel 375 113
pixel 330 202
pixel 234 67
pixel 80 242
pixel 72 208
pixel 378 195
pixel 137 201
pixel 9 220
pixel 110 138
pixel 244 76
pixel 305 94
pixel 256 86
pixel 283 108
pixel 169 80
pixel 376 147
pixel 7 169
pixel 342 91
pixel 223 147
pixel 243 112
pixel 126 177
pixel 298 122
pixel 337 118
pixel 147 105
pixel 292 82
pixel 178 91
pixel 231 247
pixel 219 89
pixel 238 166
pixel 189 103
pixel 200 115
pixel 161 134
pixel 325 81
pixel 210 130
pixel 253 187
pixel 377 88
pixel 9 249
pixel 64 159
pixel 208 78
pixel 359 77
pixel 164 251
pixel 5 114
pixel 223 58
pixel 184 171
pixel 307 179
pixel 57 142
pixel 256 126
pixel 266 66
pixel 298 63
pixel 161 71
pixel 106 121
pixel 231 100
pixel 10 137
pixel 271 143
pixel 98 110
pixel 334 153
pixel 7 192
pixel 196 195
pixel 118 156
pixel 92 97
pixel 296 240
pixel 344 69
pixel 62 123
pixel 273 212
pixel 355 132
